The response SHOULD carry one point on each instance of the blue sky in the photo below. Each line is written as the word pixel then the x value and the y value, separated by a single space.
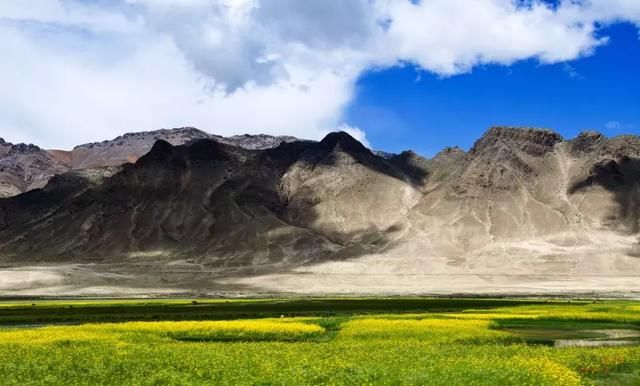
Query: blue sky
pixel 396 74
pixel 405 108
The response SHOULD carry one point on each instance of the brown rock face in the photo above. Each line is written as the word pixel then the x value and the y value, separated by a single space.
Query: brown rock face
pixel 25 167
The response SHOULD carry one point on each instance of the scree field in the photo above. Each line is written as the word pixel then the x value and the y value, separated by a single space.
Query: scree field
pixel 320 341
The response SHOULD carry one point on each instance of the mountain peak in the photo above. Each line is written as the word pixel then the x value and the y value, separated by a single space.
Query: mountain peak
pixel 345 141
pixel 533 141
pixel 591 134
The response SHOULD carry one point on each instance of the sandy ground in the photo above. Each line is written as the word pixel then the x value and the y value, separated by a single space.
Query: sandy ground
pixel 108 281
pixel 480 285
pixel 604 267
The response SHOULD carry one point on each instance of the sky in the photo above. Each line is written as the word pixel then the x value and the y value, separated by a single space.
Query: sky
pixel 396 74
pixel 404 108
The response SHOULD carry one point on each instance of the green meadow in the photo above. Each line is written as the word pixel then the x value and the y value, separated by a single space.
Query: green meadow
pixel 320 341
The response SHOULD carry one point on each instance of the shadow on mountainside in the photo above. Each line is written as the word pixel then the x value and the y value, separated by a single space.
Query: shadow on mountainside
pixel 622 178
pixel 204 199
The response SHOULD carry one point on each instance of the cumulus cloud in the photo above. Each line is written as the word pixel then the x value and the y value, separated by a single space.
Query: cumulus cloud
pixel 77 70
pixel 453 36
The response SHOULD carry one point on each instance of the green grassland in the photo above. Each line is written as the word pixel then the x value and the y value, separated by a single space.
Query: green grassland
pixel 312 341
pixel 77 311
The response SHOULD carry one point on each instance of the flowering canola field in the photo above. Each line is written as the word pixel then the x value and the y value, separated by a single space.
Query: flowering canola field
pixel 433 348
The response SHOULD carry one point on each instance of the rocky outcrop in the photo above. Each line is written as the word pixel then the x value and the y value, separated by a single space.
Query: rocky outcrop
pixel 505 158
pixel 256 142
pixel 534 142
pixel 587 142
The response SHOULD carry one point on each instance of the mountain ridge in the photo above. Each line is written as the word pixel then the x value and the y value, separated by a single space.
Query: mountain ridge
pixel 123 149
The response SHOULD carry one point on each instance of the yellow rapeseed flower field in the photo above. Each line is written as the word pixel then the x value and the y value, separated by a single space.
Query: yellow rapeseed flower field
pixel 474 347
pixel 241 329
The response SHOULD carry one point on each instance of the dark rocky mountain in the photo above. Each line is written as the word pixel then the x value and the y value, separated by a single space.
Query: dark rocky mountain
pixel 524 209
pixel 247 208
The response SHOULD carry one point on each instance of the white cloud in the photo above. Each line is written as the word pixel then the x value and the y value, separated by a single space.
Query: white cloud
pixel 74 71
pixel 98 86
pixel 72 101
pixel 452 36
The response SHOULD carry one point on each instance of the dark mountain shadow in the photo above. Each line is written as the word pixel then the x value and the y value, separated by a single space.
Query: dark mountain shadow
pixel 60 191
pixel 413 165
pixel 621 177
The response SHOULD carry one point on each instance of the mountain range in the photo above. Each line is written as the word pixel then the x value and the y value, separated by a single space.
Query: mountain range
pixel 184 211
pixel 26 167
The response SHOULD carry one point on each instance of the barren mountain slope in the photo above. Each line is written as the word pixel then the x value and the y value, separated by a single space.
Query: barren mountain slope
pixel 25 167
pixel 523 211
